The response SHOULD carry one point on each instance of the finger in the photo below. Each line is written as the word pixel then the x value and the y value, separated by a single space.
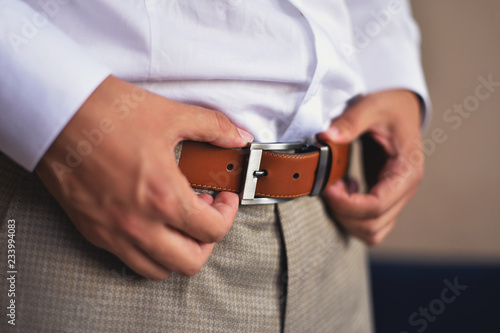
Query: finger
pixel 140 263
pixel 179 207
pixel 210 223
pixel 352 185
pixel 171 248
pixel 396 181
pixel 368 230
pixel 354 205
pixel 377 112
pixel 380 235
pixel 353 122
pixel 226 203
pixel 200 124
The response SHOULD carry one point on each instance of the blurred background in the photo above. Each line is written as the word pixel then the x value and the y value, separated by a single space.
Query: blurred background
pixel 450 233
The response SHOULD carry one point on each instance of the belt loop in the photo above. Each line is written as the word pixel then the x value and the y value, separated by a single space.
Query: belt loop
pixel 321 176
pixel 339 161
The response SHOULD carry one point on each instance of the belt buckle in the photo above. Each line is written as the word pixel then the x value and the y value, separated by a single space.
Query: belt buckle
pixel 253 172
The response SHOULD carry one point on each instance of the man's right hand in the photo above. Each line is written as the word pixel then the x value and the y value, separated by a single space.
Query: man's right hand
pixel 114 172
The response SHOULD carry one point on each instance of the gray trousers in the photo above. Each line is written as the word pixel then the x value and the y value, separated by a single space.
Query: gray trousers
pixel 281 268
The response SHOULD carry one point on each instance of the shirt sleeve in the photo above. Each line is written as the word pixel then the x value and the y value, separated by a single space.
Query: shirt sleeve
pixel 386 43
pixel 44 79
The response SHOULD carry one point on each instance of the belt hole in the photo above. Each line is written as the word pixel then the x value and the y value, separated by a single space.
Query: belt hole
pixel 296 176
pixel 230 167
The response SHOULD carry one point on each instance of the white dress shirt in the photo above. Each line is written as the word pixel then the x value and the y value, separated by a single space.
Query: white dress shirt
pixel 281 69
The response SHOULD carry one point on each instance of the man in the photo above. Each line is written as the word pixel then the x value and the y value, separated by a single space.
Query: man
pixel 98 95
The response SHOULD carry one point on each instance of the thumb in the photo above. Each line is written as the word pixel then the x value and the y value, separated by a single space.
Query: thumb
pixel 356 120
pixel 214 127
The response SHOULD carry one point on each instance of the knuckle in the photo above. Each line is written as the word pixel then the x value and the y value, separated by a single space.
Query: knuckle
pixel 130 226
pixel 222 122
pixel 215 126
pixel 172 212
pixel 168 205
pixel 191 209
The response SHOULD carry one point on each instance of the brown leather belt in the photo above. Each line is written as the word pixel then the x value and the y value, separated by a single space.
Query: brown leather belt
pixel 264 173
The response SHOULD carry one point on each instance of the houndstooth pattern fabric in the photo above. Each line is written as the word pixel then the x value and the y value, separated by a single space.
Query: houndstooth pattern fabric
pixel 326 272
pixel 281 268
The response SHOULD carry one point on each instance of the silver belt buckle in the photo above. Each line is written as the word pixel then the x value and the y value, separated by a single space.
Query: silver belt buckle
pixel 253 171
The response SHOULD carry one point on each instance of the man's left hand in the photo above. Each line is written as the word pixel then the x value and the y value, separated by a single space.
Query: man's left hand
pixel 392 119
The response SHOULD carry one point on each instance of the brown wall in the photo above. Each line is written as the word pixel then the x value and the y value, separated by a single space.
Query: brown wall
pixel 456 214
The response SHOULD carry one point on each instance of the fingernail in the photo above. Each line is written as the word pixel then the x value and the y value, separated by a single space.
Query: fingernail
pixel 245 135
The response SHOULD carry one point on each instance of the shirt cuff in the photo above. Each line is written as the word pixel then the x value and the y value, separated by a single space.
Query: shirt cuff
pixel 46 77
